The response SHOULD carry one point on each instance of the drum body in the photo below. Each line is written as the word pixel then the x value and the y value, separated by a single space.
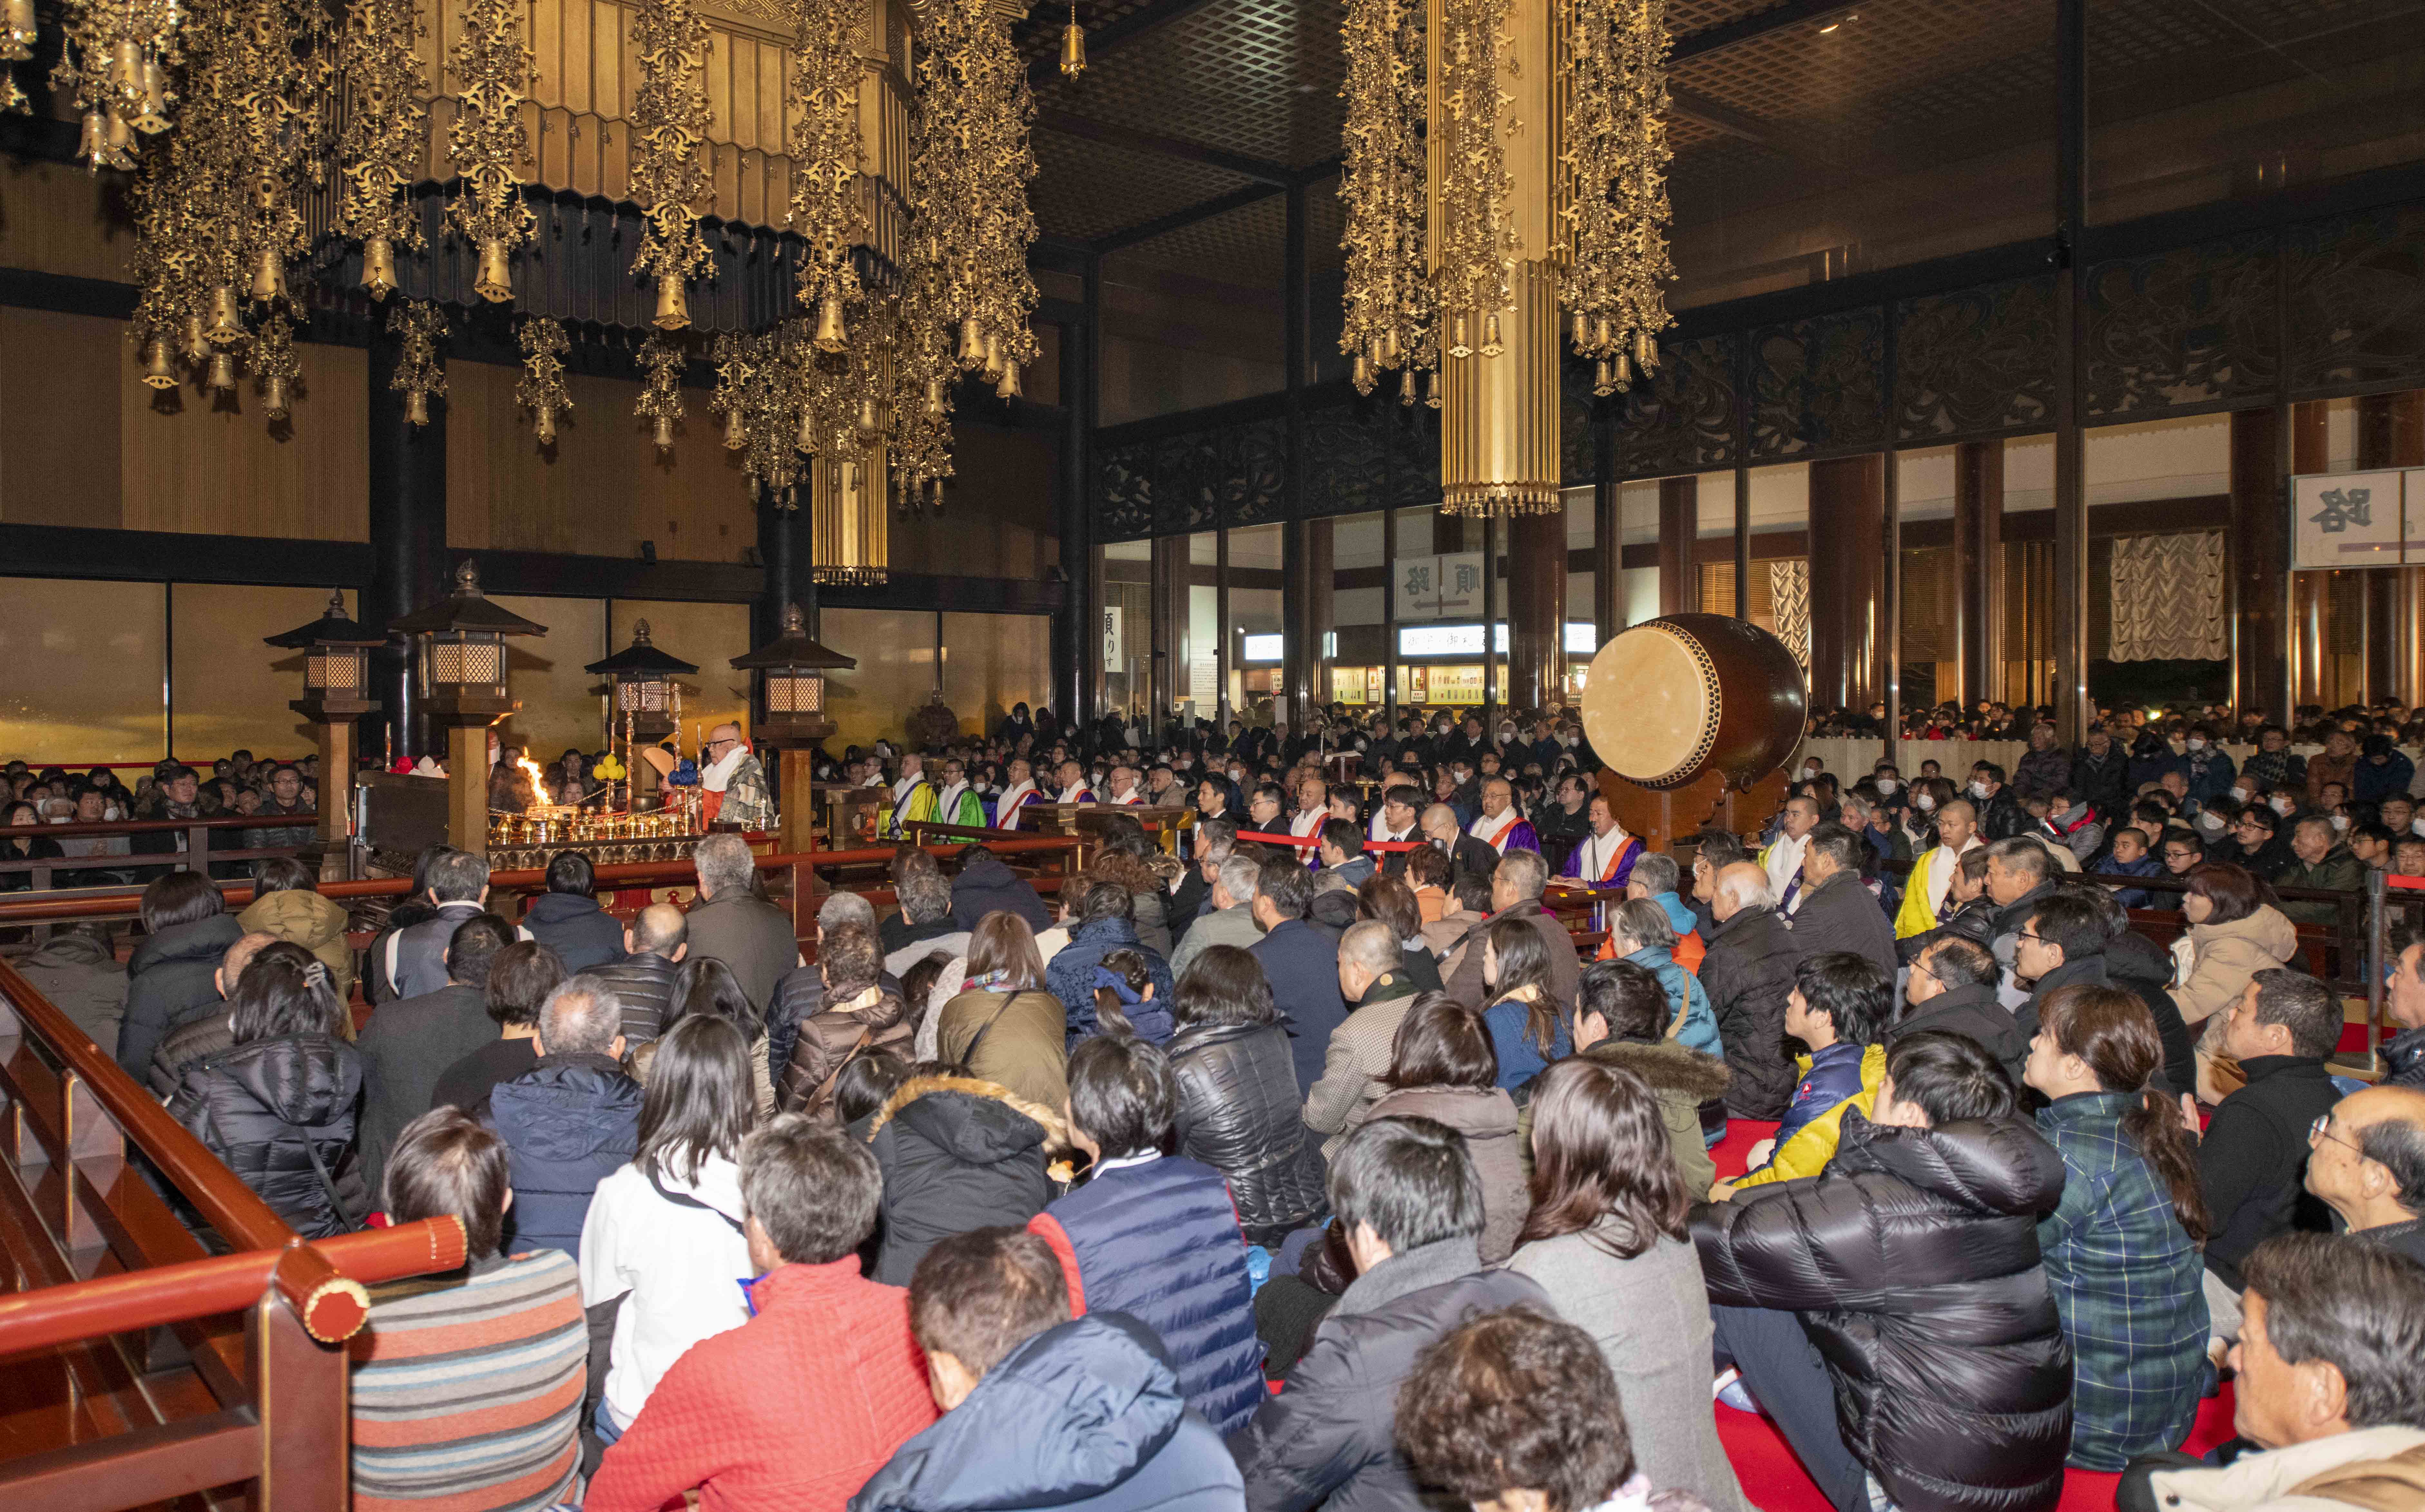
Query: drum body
pixel 1684 695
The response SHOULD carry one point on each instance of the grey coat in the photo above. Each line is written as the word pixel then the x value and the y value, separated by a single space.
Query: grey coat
pixel 1235 925
pixel 1842 915
pixel 1650 1316
pixel 749 934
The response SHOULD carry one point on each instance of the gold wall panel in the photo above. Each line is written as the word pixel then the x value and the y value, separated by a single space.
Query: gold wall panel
pixel 56 218
pixel 992 662
pixel 217 468
pixel 606 488
pixel 87 664
pixel 710 635
pixel 896 671
pixel 561 703
pixel 230 690
pixel 62 381
pixel 999 521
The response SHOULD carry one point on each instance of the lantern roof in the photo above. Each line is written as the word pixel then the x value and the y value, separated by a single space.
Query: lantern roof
pixel 465 609
pixel 639 659
pixel 333 627
pixel 793 648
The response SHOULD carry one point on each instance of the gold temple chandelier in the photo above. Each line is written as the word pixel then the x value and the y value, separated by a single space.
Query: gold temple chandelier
pixel 419 373
pixel 920 453
pixel 669 179
pixel 825 206
pixel 115 60
pixel 284 90
pixel 17 30
pixel 1389 298
pixel 541 389
pixel 385 136
pixel 972 164
pixel 494 72
pixel 659 402
pixel 1616 198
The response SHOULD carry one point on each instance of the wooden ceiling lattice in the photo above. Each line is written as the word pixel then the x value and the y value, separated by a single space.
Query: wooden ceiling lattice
pixel 1085 189
pixel 1255 77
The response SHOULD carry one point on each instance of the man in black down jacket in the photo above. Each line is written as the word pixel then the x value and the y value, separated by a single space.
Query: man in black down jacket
pixel 653 943
pixel 570 1120
pixel 986 885
pixel 1409 1205
pixel 1952 988
pixel 1891 1314
pixel 1748 971
pixel 1836 911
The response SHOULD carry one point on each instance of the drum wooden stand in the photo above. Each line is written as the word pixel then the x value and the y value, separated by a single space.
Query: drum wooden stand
pixel 1659 817
pixel 1702 711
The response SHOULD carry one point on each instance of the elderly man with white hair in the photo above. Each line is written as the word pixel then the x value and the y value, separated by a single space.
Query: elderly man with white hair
pixel 734 782
pixel 1748 973
pixel 733 924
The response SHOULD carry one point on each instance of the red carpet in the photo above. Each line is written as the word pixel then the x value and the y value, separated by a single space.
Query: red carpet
pixel 1773 1478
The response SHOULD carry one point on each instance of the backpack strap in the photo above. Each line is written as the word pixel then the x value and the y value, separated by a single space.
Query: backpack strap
pixel 686 1200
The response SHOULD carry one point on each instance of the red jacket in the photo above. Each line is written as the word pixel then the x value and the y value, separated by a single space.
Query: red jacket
pixel 790 1413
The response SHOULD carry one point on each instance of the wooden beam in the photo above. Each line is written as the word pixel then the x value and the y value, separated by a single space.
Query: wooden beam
pixel 1756 25
pixel 1162 225
pixel 1087 129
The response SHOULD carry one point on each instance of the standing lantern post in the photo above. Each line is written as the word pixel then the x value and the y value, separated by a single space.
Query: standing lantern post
pixel 458 665
pixel 792 716
pixel 336 684
pixel 647 704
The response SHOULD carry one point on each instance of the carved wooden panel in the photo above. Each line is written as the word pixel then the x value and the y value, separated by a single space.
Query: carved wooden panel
pixel 2197 326
pixel 1818 385
pixel 1975 362
pixel 2357 300
pixel 1682 420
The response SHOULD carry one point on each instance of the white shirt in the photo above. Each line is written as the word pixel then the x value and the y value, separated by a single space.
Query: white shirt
pixel 1005 808
pixel 681 1267
pixel 1941 864
pixel 1785 863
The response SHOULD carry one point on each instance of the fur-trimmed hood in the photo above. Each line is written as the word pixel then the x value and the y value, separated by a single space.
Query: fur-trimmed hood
pixel 974 1118
pixel 1667 1066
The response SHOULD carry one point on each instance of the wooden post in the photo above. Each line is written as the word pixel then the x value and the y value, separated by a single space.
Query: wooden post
pixel 467 787
pixel 298 1393
pixel 336 780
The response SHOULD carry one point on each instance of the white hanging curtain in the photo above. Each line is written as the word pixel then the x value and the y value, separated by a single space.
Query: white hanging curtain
pixel 1788 587
pixel 2168 594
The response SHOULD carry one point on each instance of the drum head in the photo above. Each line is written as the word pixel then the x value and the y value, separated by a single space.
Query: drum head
pixel 1652 704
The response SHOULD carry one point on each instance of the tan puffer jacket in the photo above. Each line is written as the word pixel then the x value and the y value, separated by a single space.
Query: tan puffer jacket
pixel 2227 955
pixel 315 923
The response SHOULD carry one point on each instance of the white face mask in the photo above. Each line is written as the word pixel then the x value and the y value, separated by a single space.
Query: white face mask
pixel 2284 807
pixel 1888 786
pixel 1925 802
pixel 1978 787
pixel 2198 743
pixel 2340 822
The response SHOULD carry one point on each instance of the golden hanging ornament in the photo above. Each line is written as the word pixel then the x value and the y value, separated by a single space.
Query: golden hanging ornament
pixel 494 74
pixel 827 207
pixel 659 402
pixel 418 372
pixel 541 390
pixel 1616 208
pixel 1470 180
pixel 1073 46
pixel 669 178
pixel 1388 293
pixel 971 164
pixel 286 76
pixel 115 58
pixel 386 136
pixel 275 370
pixel 17 33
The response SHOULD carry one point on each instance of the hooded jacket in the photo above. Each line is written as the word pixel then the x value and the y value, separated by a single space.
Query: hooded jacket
pixel 1087 1415
pixel 569 1123
pixel 1486 1117
pixel 1684 1080
pixel 1239 1113
pixel 957 1154
pixel 1747 973
pixel 169 979
pixel 271 1109
pixel 2225 956
pixel 1691 1022
pixel 1070 975
pixel 576 928
pixel 317 924
pixel 988 885
pixel 827 1041
pixel 1913 1260
pixel 83 979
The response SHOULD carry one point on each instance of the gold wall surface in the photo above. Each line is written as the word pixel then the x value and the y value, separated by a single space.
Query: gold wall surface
pixel 710 635
pixel 62 384
pixel 992 662
pixel 86 665
pixel 232 690
pixel 601 489
pixel 561 703
pixel 56 218
pixel 895 649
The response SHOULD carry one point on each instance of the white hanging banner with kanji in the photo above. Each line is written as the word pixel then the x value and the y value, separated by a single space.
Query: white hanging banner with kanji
pixel 2354 520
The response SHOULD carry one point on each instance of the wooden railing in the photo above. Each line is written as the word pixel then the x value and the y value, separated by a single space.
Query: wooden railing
pixel 192 847
pixel 254 1394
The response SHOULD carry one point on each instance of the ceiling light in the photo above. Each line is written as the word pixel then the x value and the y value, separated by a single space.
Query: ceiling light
pixel 1829 27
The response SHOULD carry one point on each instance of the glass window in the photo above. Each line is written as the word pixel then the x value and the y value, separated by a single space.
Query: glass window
pixel 1351 664
pixel 234 690
pixel 1197 663
pixel 1929 636
pixel 1780 597
pixel 1126 630
pixel 1713 543
pixel 2027 673
pixel 1637 509
pixel 2148 485
pixel 1256 620
pixel 895 648
pixel 992 662
pixel 86 662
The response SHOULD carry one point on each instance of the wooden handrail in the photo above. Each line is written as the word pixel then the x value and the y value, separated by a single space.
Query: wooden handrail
pixel 224 1201
pixel 322 1282
pixel 152 826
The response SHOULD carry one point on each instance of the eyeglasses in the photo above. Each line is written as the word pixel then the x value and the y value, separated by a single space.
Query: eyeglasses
pixel 2026 935
pixel 2321 1130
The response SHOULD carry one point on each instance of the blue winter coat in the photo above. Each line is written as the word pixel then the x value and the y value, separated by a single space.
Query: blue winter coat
pixel 1086 1416
pixel 1684 991
pixel 581 933
pixel 1160 1242
pixel 2144 867
pixel 2372 784
pixel 1302 963
pixel 1070 975
pixel 569 1123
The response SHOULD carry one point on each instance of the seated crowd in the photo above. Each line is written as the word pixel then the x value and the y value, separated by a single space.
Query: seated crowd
pixel 1300 1170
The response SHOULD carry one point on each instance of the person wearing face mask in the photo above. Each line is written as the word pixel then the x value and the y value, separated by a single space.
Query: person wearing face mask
pixel 1933 873
pixel 2001 814
pixel 2072 824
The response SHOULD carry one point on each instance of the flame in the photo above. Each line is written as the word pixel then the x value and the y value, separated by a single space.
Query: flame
pixel 536 774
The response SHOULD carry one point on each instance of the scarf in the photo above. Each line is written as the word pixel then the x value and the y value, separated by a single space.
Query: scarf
pixel 719 775
pixel 1598 858
pixel 1308 824
pixel 1076 794
pixel 947 801
pixel 1496 831
pixel 1007 807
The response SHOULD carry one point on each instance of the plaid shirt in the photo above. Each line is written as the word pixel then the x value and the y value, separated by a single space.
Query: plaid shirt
pixel 2127 1279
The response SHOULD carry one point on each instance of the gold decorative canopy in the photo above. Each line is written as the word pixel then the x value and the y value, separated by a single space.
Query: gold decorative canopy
pixel 670 122
pixel 494 73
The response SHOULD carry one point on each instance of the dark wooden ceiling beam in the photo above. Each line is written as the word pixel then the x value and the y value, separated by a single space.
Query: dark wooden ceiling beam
pixel 1757 25
pixel 1088 129
pixel 1163 224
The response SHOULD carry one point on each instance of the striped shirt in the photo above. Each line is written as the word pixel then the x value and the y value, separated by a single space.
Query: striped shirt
pixel 467 1389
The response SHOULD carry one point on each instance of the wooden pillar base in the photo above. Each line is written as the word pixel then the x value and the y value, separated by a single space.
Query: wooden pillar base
pixel 467 787
pixel 336 782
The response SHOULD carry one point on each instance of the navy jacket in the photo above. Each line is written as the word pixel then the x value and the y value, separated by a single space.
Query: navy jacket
pixel 1087 1415
pixel 1070 975
pixel 1303 965
pixel 581 933
pixel 569 1123
pixel 987 886
pixel 1160 1241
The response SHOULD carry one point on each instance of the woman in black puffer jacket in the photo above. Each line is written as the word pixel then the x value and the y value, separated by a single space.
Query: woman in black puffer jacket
pixel 1913 1261
pixel 278 1105
pixel 1239 1111
pixel 173 978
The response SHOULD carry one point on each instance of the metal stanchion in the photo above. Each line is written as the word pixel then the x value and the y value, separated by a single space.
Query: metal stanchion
pixel 2376 891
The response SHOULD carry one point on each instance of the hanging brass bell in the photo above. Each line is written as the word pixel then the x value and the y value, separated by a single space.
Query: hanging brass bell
pixel 152 118
pixel 806 438
pixel 871 420
pixel 1408 391
pixel 197 348
pixel 1645 352
pixel 992 367
pixel 274 397
pixel 1008 387
pixel 1459 345
pixel 1073 47
pixel 830 336
pixel 1491 344
pixel 1623 373
pixel 416 407
pixel 227 326
pixel 544 424
pixel 935 398
pixel 126 64
pixel 1360 372
pixel 496 281
pixel 673 305
pixel 1385 351
pixel 1603 333
pixel 223 379
pixel 269 277
pixel 664 435
pixel 1431 389
pixel 17 27
pixel 935 496
pixel 378 268
pixel 973 343
pixel 159 369
pixel 120 137
pixel 736 434
pixel 1603 377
